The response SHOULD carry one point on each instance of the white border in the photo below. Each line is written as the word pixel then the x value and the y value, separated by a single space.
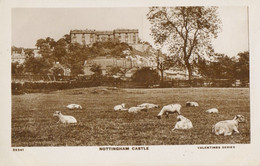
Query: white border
pixel 245 154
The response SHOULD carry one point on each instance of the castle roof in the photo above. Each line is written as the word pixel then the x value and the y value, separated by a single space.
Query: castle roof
pixel 82 31
pixel 126 30
pixel 104 32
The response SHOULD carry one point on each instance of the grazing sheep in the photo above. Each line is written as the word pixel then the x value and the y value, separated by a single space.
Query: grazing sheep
pixel 228 126
pixel 212 110
pixel 183 123
pixel 137 109
pixel 64 118
pixel 192 104
pixel 74 106
pixel 169 109
pixel 120 107
pixel 148 105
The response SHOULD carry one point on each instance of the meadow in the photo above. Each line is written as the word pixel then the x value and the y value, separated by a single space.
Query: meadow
pixel 98 124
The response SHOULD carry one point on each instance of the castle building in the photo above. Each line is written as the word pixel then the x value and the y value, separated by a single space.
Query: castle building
pixel 88 37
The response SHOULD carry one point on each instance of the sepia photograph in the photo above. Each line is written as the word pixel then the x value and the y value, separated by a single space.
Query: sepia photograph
pixel 130 76
pixel 129 83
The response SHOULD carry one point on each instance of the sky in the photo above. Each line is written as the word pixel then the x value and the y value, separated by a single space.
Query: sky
pixel 31 24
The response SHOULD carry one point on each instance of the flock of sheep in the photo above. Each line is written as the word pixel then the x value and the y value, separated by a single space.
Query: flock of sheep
pixel 225 127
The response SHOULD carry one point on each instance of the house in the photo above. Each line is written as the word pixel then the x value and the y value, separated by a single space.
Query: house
pixel 106 62
pixel 58 69
pixel 18 57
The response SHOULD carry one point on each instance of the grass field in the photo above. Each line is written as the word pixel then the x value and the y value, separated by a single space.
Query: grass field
pixel 33 123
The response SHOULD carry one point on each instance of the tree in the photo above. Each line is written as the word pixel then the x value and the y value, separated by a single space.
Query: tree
pixel 39 43
pixel 60 51
pixel 97 76
pixel 37 65
pixel 96 69
pixel 29 52
pixel 187 31
pixel 163 63
pixel 114 70
pixel 67 38
pixel 223 67
pixel 242 66
pixel 146 75
pixel 49 41
pixel 57 71
pixel 17 68
pixel 75 59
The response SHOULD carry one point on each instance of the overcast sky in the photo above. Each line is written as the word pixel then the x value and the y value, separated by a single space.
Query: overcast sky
pixel 31 24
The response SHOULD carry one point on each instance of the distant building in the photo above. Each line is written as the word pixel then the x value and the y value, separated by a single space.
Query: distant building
pixel 18 57
pixel 106 63
pixel 88 37
pixel 180 74
pixel 36 53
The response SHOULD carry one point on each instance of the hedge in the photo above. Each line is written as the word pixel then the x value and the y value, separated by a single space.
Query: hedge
pixel 28 87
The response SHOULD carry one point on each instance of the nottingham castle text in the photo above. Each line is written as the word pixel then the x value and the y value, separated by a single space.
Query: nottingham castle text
pixel 88 37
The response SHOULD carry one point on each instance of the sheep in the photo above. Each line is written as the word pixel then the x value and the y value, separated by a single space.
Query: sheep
pixel 212 110
pixel 228 126
pixel 148 105
pixel 192 104
pixel 137 109
pixel 74 106
pixel 64 118
pixel 169 109
pixel 120 107
pixel 183 123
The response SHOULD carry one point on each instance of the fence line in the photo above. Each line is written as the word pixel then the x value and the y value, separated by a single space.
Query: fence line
pixel 43 78
pixel 166 83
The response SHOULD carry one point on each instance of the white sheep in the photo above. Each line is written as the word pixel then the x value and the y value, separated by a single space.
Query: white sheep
pixel 120 107
pixel 212 110
pixel 169 109
pixel 148 105
pixel 137 109
pixel 74 106
pixel 183 123
pixel 64 118
pixel 228 126
pixel 192 104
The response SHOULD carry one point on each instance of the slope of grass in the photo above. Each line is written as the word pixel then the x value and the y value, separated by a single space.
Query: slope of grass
pixel 33 123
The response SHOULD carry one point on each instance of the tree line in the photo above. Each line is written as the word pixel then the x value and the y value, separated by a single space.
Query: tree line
pixel 69 55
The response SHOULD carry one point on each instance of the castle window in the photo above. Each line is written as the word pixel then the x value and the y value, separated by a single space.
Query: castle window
pixel 91 37
pixel 83 35
pixel 134 39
